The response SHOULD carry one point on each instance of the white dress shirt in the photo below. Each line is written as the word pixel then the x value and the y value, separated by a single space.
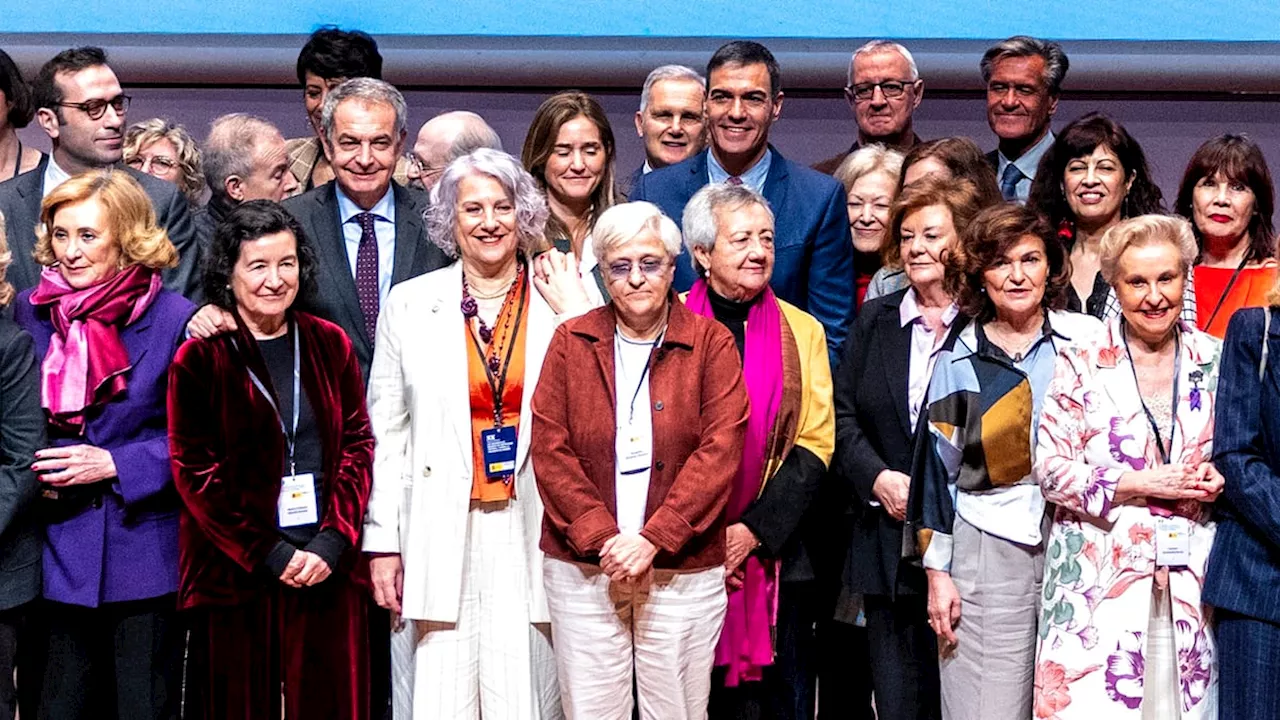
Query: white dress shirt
pixel 925 345
pixel 53 177
pixel 384 228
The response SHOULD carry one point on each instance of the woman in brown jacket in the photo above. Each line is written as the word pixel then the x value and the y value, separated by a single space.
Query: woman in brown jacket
pixel 634 530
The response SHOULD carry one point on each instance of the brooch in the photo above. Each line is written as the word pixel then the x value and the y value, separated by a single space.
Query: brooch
pixel 1196 377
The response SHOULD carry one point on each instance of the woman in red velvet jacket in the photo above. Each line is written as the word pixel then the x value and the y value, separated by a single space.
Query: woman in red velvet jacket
pixel 274 490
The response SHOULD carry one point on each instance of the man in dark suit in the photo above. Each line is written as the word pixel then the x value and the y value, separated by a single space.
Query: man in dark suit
pixel 82 109
pixel 244 159
pixel 368 235
pixel 1024 77
pixel 670 120
pixel 813 265
pixel 884 91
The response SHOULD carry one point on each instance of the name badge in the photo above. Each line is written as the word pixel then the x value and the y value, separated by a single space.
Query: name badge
pixel 498 446
pixel 1173 542
pixel 634 449
pixel 297 504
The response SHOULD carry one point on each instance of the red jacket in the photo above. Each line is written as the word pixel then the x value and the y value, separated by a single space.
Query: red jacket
pixel 227 452
pixel 699 408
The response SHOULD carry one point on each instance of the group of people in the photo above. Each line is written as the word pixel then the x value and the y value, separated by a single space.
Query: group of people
pixel 916 433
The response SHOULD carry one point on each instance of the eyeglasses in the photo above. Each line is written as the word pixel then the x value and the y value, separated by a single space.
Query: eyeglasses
pixel 891 89
pixel 95 109
pixel 159 162
pixel 649 267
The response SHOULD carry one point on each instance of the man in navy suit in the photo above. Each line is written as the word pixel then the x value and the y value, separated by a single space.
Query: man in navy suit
pixel 670 120
pixel 813 266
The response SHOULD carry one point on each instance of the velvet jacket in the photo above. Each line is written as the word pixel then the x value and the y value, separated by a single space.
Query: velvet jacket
pixel 228 451
pixel 124 547
pixel 699 409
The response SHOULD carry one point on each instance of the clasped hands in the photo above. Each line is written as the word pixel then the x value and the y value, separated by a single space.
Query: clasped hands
pixel 304 570
pixel 627 558
pixel 74 465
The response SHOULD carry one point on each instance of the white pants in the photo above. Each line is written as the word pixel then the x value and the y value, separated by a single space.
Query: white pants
pixel 665 628
pixel 493 663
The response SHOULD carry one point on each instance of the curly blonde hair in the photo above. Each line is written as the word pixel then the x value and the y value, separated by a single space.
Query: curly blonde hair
pixel 6 257
pixel 190 166
pixel 131 221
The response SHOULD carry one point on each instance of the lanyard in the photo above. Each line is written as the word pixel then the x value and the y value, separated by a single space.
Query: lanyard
pixel 1227 290
pixel 290 438
pixel 617 340
pixel 1173 407
pixel 498 384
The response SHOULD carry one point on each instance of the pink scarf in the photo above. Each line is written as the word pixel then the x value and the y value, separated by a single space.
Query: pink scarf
pixel 86 363
pixel 746 642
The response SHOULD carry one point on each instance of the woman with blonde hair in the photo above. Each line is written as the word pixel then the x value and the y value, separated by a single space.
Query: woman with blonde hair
pixel 21 434
pixel 107 332
pixel 166 150
pixel 570 152
pixel 870 176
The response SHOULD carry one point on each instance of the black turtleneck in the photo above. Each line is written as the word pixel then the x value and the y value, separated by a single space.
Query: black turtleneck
pixel 733 315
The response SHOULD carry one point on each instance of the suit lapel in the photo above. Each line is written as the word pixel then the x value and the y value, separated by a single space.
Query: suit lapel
pixel 408 230
pixel 775 187
pixel 895 362
pixel 443 339
pixel 25 272
pixel 332 248
pixel 542 325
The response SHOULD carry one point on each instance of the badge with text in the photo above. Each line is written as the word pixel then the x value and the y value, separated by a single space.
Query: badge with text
pixel 1173 541
pixel 499 448
pixel 297 505
pixel 635 449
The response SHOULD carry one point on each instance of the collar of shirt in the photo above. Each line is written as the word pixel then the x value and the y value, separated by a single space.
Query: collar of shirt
pixel 909 310
pixel 53 176
pixel 1028 161
pixel 988 349
pixel 384 210
pixel 647 168
pixel 754 176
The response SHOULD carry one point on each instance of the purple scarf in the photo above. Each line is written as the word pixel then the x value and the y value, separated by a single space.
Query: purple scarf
pixel 746 642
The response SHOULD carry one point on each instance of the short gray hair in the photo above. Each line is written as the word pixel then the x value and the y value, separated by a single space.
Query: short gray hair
pixel 531 208
pixel 668 72
pixel 228 150
pixel 623 223
pixel 699 220
pixel 368 91
pixel 879 46
pixel 869 159
pixel 1142 231
pixel 1055 58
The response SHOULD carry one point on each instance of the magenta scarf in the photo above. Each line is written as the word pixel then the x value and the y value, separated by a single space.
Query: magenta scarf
pixel 86 362
pixel 746 642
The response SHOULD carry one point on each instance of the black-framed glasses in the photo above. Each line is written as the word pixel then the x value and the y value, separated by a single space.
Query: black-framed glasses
pixel 95 109
pixel 891 89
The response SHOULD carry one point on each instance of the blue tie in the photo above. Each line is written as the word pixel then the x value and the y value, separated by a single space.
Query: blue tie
pixel 1009 182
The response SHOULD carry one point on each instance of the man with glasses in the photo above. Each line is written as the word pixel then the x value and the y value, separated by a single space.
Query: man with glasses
pixel 884 91
pixel 443 139
pixel 82 108
pixel 1024 78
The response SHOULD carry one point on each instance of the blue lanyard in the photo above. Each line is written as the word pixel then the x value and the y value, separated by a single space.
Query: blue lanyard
pixel 290 438
pixel 618 340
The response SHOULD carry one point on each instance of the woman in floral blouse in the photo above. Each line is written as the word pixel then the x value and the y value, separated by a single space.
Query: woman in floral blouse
pixel 1123 451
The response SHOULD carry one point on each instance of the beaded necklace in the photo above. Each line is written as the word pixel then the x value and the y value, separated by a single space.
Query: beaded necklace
pixel 471 310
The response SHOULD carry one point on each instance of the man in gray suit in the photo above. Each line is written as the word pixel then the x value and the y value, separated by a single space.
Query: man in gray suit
pixel 81 107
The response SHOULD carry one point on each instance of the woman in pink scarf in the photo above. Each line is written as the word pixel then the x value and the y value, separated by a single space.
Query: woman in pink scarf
pixel 105 333
pixel 790 435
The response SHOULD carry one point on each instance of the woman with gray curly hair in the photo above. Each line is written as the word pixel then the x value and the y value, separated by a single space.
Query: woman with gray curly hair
pixel 163 149
pixel 454 517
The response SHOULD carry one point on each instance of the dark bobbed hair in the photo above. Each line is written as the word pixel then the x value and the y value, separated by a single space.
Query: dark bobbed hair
pixel 45 92
pixel 1080 138
pixel 963 158
pixel 333 53
pixel 17 91
pixel 960 196
pixel 1239 159
pixel 987 238
pixel 247 222
pixel 746 52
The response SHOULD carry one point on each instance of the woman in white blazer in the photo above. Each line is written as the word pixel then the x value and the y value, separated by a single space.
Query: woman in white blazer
pixel 454 517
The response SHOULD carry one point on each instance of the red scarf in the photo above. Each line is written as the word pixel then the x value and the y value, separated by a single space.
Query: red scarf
pixel 86 363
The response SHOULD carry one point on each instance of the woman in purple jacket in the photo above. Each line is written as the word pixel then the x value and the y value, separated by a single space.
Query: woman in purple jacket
pixel 105 333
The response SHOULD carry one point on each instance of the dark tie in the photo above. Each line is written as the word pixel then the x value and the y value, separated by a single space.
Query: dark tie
pixel 1009 182
pixel 367 272
pixel 734 180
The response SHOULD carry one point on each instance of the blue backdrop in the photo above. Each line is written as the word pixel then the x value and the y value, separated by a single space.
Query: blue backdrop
pixel 960 19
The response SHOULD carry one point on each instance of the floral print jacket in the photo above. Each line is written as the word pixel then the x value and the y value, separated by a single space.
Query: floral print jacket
pixel 1100 556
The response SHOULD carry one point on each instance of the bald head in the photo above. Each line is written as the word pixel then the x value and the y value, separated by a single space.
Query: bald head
pixel 447 137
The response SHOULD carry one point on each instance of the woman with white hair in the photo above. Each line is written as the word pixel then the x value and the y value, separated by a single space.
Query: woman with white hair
pixel 871 178
pixel 454 515
pixel 638 428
